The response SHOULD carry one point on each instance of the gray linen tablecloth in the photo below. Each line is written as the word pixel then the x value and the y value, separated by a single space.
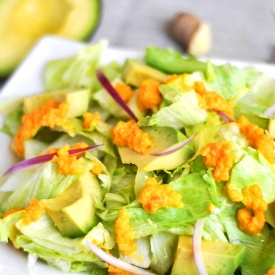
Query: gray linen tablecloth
pixel 241 29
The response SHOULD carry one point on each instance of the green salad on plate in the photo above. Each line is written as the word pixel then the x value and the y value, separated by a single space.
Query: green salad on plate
pixel 160 165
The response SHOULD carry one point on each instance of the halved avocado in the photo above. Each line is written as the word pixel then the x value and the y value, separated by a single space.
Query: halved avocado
pixel 23 22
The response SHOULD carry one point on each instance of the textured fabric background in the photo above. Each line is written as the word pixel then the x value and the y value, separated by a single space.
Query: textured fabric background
pixel 241 29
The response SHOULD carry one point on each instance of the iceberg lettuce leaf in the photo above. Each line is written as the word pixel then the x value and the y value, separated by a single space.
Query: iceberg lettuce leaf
pixel 12 121
pixel 184 112
pixel 44 183
pixel 253 168
pixel 122 189
pixel 75 72
pixel 259 253
pixel 197 194
pixel 107 103
pixel 163 247
pixel 141 256
pixel 43 239
pixel 227 80
pixel 8 228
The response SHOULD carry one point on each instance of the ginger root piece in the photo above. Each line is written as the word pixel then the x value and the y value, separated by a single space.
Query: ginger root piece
pixel 192 33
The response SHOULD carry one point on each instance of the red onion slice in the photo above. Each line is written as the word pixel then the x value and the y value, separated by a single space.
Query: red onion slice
pixel 114 94
pixel 41 159
pixel 173 148
pixel 196 246
pixel 111 260
pixel 270 111
pixel 225 117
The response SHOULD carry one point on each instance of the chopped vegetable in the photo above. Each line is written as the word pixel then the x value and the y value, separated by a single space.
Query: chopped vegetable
pixel 257 138
pixel 174 148
pixel 124 91
pixel 149 96
pixel 50 114
pixel 91 120
pixel 33 212
pixel 116 262
pixel 197 163
pixel 154 196
pixel 124 233
pixel 128 134
pixel 169 62
pixel 41 159
pixel 219 156
pixel 111 90
pixel 196 245
pixel 251 219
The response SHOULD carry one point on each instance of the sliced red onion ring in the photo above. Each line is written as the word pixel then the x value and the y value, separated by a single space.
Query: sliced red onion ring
pixel 225 117
pixel 111 260
pixel 270 111
pixel 41 159
pixel 173 148
pixel 114 94
pixel 196 246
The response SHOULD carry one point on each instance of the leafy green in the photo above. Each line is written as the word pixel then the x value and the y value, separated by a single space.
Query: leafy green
pixel 259 254
pixel 249 91
pixel 107 103
pixel 77 71
pixel 42 238
pixel 44 183
pixel 197 194
pixel 227 80
pixel 184 112
pixel 254 169
pixel 12 122
pixel 163 247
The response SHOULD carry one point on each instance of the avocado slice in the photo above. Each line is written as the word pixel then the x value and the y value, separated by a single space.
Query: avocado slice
pixel 220 258
pixel 271 127
pixel 134 72
pixel 73 211
pixel 23 22
pixel 163 138
pixel 77 99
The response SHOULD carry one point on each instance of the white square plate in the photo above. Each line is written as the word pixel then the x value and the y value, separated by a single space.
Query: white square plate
pixel 27 80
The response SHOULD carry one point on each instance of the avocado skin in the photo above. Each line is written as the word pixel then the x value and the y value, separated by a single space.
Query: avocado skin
pixel 220 258
pixel 93 30
pixel 14 52
pixel 73 211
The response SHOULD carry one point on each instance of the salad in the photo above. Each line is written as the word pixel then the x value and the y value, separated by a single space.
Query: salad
pixel 163 165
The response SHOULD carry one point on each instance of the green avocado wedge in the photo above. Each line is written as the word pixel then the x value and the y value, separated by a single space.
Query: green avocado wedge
pixel 220 258
pixel 78 101
pixel 73 211
pixel 24 22
pixel 163 138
